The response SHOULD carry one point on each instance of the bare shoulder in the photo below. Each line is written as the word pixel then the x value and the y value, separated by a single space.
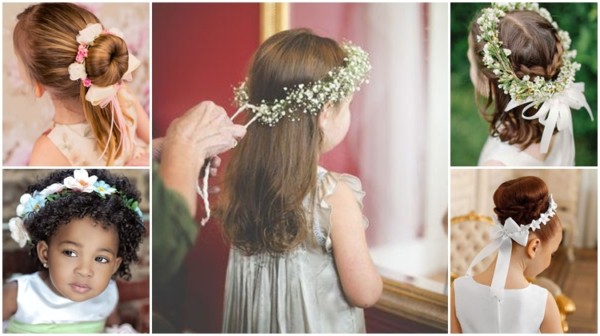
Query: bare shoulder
pixel 9 299
pixel 45 153
pixel 552 320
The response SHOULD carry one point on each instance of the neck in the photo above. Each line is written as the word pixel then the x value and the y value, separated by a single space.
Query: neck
pixel 515 278
pixel 68 111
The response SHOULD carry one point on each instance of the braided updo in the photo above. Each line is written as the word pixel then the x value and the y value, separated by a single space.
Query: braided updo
pixel 525 199
pixel 535 51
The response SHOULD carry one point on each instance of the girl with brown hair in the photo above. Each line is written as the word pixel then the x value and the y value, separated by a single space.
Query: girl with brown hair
pixel 501 299
pixel 64 50
pixel 299 261
pixel 521 62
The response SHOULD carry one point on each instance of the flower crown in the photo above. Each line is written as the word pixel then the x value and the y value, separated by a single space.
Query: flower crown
pixel 495 57
pixel 502 237
pixel 556 97
pixel 311 97
pixel 30 204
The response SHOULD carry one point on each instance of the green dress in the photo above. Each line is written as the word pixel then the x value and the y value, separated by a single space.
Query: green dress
pixel 296 292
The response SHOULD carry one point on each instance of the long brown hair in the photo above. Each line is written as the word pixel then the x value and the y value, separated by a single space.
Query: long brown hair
pixel 525 199
pixel 535 51
pixel 274 169
pixel 45 41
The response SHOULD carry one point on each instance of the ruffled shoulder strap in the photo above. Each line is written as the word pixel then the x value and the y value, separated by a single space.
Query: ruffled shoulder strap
pixel 326 185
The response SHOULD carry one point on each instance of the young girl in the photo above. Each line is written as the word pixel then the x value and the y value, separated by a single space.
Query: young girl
pixel 521 62
pixel 501 299
pixel 299 261
pixel 83 230
pixel 64 50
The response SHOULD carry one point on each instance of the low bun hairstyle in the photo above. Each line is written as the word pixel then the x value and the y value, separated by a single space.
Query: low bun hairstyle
pixel 525 199
pixel 535 51
pixel 45 42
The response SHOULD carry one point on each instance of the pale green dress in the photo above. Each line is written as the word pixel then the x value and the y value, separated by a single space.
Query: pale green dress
pixel 299 291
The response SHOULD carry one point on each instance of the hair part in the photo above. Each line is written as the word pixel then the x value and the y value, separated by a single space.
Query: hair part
pixel 45 41
pixel 535 51
pixel 524 199
pixel 110 212
pixel 273 169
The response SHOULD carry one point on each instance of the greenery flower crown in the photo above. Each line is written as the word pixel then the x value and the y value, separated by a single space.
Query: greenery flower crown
pixel 30 204
pixel 496 58
pixel 339 83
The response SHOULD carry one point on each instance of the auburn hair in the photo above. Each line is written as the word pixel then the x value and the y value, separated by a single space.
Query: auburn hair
pixel 535 51
pixel 525 199
pixel 45 41
pixel 274 169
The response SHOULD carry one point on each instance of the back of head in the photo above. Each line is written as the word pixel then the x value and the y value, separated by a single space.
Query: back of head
pixel 274 167
pixel 535 51
pixel 45 41
pixel 524 199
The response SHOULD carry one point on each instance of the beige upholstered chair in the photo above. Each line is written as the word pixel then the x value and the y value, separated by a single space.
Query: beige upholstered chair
pixel 468 235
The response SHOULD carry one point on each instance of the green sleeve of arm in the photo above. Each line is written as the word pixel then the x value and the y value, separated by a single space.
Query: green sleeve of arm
pixel 173 228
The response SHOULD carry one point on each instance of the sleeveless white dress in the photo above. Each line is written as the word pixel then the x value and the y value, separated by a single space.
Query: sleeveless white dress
pixel 39 309
pixel 477 311
pixel 561 152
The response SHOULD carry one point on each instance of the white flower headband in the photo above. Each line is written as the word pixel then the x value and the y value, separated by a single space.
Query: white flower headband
pixel 30 204
pixel 101 95
pixel 501 240
pixel 556 97
pixel 339 83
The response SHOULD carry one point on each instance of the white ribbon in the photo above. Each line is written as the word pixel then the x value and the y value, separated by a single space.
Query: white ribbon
pixel 502 237
pixel 102 95
pixel 555 112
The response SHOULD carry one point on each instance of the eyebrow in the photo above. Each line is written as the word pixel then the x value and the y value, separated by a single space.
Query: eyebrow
pixel 105 249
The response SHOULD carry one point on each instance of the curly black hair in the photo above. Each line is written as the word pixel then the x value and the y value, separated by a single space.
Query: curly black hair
pixel 108 211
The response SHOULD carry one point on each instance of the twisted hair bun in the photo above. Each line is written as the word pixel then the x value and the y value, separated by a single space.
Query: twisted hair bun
pixel 107 61
pixel 525 199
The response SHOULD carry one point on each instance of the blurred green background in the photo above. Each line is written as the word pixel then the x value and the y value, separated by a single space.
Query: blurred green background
pixel 469 130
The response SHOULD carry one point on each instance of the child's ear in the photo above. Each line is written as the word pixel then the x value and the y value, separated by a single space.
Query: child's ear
pixel 326 115
pixel 532 247
pixel 38 89
pixel 117 264
pixel 42 252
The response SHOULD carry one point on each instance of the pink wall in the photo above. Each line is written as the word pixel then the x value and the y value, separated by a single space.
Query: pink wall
pixel 199 52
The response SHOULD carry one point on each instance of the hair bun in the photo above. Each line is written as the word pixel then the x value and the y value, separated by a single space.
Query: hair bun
pixel 108 59
pixel 523 199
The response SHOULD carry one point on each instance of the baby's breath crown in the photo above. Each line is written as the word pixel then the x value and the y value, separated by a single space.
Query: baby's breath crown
pixel 339 83
pixel 496 57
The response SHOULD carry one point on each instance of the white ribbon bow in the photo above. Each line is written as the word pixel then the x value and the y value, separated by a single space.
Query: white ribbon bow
pixel 502 237
pixel 102 95
pixel 556 111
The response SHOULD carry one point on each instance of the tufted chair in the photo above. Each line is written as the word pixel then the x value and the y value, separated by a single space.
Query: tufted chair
pixel 468 235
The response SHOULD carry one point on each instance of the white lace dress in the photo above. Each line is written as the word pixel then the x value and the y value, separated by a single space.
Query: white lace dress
pixel 477 311
pixel 561 152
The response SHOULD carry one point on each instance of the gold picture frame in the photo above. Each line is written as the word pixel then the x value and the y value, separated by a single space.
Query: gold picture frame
pixel 274 17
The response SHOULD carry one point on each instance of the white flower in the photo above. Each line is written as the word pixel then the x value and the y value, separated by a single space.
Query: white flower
pixel 21 207
pixel 89 33
pixel 52 189
pixel 77 71
pixel 80 181
pixel 17 231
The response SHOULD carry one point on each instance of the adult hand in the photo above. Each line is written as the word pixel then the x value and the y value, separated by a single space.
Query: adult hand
pixel 202 132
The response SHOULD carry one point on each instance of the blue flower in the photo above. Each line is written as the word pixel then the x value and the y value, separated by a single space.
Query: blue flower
pixel 103 188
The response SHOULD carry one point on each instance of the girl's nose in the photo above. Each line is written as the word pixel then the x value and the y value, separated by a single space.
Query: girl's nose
pixel 84 268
